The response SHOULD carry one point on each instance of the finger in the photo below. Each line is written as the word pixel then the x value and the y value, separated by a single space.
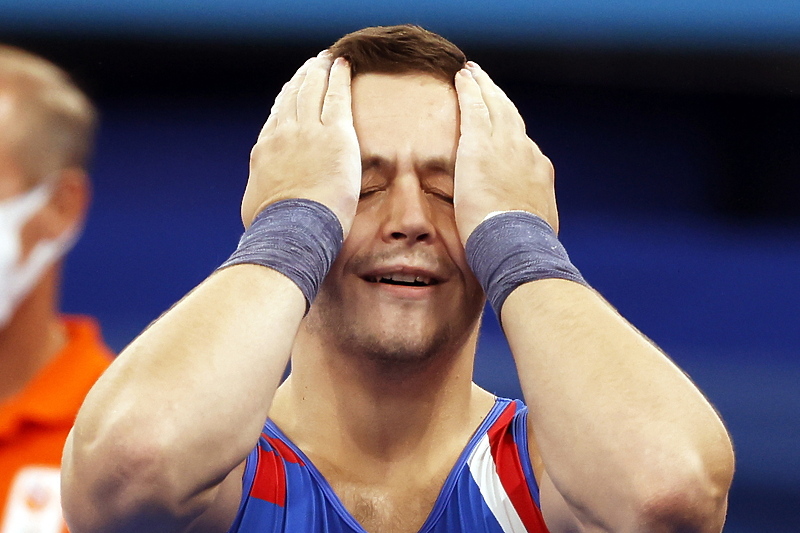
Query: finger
pixel 474 112
pixel 312 92
pixel 336 107
pixel 501 109
pixel 285 103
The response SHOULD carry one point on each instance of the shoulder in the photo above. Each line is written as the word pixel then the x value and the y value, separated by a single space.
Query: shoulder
pixel 503 448
pixel 253 496
pixel 266 470
pixel 500 465
pixel 273 470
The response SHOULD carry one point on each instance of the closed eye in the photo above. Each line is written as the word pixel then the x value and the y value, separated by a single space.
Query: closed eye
pixel 441 195
pixel 365 193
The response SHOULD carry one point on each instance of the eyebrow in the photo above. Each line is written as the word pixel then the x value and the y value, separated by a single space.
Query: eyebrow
pixel 435 163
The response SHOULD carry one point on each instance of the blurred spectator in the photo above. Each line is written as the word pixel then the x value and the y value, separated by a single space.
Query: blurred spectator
pixel 48 361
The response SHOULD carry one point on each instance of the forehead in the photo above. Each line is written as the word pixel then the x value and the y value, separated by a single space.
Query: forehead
pixel 402 112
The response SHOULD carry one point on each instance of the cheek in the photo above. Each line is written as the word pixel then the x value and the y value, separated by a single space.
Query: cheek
pixel 364 224
pixel 361 232
pixel 448 233
pixel 460 259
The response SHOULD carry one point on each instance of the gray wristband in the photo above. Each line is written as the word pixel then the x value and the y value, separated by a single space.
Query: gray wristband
pixel 512 248
pixel 299 238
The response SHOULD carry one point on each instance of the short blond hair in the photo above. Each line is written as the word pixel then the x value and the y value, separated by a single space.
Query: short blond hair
pixel 51 122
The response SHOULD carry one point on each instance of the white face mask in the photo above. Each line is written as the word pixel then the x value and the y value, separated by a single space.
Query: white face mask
pixel 16 278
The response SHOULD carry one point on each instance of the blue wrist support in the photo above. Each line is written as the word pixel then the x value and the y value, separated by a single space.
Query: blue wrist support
pixel 299 238
pixel 515 247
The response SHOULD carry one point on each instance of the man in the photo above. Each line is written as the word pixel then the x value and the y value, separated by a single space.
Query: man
pixel 48 361
pixel 394 189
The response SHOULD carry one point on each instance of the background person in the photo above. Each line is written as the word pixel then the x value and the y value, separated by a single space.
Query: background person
pixel 48 361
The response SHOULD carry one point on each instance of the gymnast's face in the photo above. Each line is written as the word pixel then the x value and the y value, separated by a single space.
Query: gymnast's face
pixel 401 290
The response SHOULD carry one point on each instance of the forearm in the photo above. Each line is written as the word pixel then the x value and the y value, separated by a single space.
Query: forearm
pixel 617 423
pixel 183 405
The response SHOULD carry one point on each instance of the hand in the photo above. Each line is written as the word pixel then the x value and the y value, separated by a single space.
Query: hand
pixel 308 146
pixel 498 167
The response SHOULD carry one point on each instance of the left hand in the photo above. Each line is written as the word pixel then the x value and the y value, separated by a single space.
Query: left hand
pixel 498 167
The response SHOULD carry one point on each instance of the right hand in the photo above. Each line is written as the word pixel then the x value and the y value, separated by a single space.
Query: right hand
pixel 308 146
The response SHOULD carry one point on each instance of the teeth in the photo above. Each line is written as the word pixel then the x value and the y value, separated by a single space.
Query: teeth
pixel 405 278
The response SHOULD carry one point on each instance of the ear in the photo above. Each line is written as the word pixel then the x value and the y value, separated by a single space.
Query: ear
pixel 69 202
pixel 66 209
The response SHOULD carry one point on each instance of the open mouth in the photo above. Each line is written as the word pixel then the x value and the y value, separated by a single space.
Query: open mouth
pixel 406 280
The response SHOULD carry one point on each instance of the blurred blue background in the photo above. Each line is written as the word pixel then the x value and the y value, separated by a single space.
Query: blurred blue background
pixel 674 127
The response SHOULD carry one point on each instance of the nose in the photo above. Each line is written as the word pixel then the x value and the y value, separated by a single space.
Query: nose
pixel 409 216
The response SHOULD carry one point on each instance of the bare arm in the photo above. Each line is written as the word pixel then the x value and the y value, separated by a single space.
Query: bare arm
pixel 615 420
pixel 182 406
pixel 623 440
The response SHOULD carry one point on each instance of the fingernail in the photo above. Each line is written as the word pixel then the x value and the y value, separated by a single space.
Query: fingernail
pixel 324 53
pixel 472 65
pixel 340 61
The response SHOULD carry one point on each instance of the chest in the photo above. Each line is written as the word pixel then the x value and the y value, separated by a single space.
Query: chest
pixel 400 507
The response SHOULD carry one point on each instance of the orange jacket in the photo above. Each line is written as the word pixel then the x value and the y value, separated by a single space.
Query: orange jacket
pixel 34 425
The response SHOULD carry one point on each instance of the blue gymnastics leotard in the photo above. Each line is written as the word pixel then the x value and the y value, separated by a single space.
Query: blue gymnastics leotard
pixel 491 488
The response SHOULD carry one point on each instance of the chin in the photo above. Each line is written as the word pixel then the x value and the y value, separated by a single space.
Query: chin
pixel 394 337
pixel 403 350
pixel 410 344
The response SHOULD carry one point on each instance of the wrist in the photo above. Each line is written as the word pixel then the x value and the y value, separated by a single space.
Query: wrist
pixel 510 248
pixel 299 238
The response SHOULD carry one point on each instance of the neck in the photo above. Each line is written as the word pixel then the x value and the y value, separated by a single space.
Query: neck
pixel 383 410
pixel 32 337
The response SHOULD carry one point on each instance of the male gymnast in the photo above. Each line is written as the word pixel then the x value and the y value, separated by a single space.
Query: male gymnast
pixel 392 189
